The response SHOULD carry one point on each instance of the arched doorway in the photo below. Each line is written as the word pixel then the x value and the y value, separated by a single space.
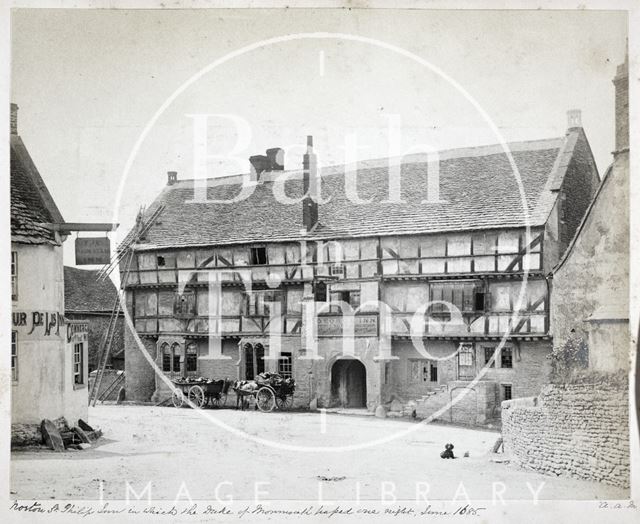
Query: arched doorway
pixel 348 384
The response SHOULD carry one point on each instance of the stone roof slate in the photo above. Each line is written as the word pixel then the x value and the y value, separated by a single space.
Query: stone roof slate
pixel 85 293
pixel 477 186
pixel 31 204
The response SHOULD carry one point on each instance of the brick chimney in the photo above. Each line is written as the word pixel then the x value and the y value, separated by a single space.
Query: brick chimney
pixel 172 177
pixel 259 163
pixel 574 119
pixel 310 187
pixel 621 83
pixel 14 119
pixel 275 155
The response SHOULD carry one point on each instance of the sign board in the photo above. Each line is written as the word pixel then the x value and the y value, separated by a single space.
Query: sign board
pixel 364 326
pixel 93 251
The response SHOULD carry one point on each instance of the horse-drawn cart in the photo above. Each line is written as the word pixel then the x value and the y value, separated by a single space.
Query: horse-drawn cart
pixel 200 392
pixel 268 389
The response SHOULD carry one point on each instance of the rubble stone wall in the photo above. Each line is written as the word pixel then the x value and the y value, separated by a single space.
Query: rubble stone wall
pixel 578 430
pixel 466 403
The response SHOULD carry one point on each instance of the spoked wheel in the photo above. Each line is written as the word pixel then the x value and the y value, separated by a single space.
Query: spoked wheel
pixel 196 395
pixel 265 400
pixel 284 402
pixel 216 402
pixel 177 397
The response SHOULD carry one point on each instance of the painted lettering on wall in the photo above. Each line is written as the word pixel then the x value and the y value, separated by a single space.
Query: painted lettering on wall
pixel 364 326
pixel 47 322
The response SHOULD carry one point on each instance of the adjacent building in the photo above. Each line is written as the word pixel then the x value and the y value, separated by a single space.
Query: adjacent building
pixel 578 425
pixel 486 243
pixel 48 353
pixel 591 282
pixel 90 297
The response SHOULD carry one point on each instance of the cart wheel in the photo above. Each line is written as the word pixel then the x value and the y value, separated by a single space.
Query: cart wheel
pixel 196 395
pixel 284 402
pixel 177 397
pixel 265 399
pixel 216 401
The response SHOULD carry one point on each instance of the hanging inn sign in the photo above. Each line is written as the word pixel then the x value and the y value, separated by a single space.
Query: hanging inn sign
pixel 90 251
pixel 93 251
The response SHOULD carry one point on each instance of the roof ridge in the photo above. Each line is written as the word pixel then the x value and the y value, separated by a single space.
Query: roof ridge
pixel 372 163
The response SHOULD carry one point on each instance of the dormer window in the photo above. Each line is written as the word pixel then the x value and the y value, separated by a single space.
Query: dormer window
pixel 258 256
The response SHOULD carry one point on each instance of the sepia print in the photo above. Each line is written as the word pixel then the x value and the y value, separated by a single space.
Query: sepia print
pixel 320 263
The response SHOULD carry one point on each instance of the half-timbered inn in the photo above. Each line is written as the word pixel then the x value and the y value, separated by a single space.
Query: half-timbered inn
pixel 48 352
pixel 486 245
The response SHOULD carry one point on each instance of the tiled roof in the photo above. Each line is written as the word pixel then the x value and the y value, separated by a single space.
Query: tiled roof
pixel 85 293
pixel 477 186
pixel 31 204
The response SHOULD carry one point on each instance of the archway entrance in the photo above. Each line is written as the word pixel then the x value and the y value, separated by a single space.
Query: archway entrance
pixel 348 384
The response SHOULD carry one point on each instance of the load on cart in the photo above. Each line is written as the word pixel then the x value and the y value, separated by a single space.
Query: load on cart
pixel 268 389
pixel 200 391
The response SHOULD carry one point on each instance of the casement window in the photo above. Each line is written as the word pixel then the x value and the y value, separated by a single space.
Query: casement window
pixel 78 363
pixel 421 371
pixel 14 355
pixel 171 358
pixel 336 270
pixel 258 256
pixel 285 365
pixel 507 391
pixel 418 371
pixel 466 362
pixel 506 357
pixel 351 297
pixel 465 355
pixel 14 275
pixel 166 358
pixel 464 296
pixel 253 361
pixel 191 359
pixel 320 291
pixel 488 353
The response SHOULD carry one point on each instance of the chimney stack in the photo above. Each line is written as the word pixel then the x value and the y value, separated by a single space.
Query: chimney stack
pixel 621 83
pixel 574 119
pixel 172 177
pixel 14 119
pixel 310 187
pixel 275 155
pixel 259 163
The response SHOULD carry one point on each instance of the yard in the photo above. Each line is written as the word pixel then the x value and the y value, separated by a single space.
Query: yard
pixel 170 451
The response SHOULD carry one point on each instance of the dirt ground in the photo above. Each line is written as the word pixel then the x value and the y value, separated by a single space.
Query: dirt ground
pixel 175 452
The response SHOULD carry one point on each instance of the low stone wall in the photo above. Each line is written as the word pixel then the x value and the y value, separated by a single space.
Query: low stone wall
pixel 578 430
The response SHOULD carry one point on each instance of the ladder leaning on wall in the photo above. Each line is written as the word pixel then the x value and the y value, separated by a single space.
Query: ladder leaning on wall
pixel 126 253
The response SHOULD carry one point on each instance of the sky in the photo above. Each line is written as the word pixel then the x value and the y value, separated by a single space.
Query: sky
pixel 88 82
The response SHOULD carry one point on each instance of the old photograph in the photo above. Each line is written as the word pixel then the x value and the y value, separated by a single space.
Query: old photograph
pixel 319 263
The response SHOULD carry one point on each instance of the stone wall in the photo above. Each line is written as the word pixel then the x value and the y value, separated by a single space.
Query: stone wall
pixel 529 372
pixel 466 403
pixel 140 376
pixel 595 273
pixel 578 430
